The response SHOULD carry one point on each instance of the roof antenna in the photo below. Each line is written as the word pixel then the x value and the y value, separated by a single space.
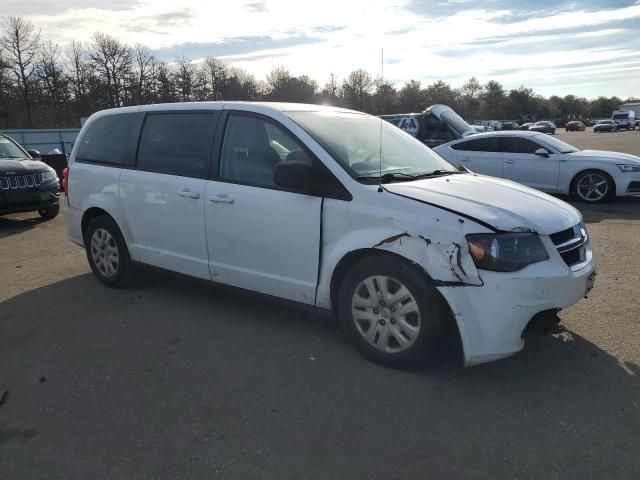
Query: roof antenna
pixel 381 120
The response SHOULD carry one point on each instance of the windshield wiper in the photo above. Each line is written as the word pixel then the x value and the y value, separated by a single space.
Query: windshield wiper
pixel 11 156
pixel 391 176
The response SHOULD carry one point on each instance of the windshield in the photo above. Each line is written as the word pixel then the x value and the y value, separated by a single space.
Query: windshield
pixel 353 140
pixel 8 149
pixel 621 116
pixel 605 122
pixel 559 145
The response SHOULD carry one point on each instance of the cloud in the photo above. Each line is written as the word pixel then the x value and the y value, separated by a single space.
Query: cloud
pixel 245 48
pixel 49 7
pixel 255 7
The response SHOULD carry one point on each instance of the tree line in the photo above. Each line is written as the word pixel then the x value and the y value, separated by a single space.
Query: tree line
pixel 47 85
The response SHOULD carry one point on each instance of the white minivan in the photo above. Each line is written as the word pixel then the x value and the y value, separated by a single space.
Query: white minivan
pixel 326 207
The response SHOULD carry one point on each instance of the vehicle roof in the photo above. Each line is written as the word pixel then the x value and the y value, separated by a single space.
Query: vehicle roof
pixel 253 106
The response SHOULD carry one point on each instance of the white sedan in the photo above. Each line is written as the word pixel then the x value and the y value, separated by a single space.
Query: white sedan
pixel 548 164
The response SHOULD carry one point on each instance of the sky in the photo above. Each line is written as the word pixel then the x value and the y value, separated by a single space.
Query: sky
pixel 587 48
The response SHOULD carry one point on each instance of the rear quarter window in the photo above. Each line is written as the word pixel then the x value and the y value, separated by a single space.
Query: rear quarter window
pixel 110 140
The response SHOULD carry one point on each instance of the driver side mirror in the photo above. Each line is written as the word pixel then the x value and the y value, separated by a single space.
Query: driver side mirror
pixel 295 175
pixel 34 153
pixel 542 152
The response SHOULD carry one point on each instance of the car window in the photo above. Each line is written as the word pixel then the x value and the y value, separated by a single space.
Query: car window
pixel 177 143
pixel 8 149
pixel 518 145
pixel 108 139
pixel 479 145
pixel 252 147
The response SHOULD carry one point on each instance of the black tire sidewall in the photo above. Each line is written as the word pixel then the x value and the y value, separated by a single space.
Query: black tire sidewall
pixel 433 311
pixel 123 273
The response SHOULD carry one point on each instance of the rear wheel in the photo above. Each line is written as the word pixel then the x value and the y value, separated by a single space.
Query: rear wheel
pixel 107 252
pixel 592 186
pixel 49 213
pixel 393 314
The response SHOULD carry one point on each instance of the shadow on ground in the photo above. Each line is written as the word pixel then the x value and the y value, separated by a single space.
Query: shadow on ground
pixel 15 225
pixel 177 378
pixel 626 208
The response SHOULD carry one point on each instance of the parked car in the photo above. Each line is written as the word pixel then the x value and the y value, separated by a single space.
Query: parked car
pixel 624 119
pixel 544 127
pixel 526 126
pixel 605 126
pixel 508 125
pixel 438 124
pixel 548 164
pixel 574 126
pixel 302 202
pixel 26 184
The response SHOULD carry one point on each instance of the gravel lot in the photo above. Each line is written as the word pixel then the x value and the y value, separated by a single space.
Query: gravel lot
pixel 176 378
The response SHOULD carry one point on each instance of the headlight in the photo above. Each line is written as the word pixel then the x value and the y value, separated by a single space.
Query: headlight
pixel 48 176
pixel 629 168
pixel 506 252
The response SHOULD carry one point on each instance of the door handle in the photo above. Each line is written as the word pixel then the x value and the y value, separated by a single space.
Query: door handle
pixel 509 162
pixel 188 194
pixel 222 198
pixel 466 159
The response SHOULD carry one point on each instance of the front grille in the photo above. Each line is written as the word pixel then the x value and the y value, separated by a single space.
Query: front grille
pixel 15 182
pixel 571 244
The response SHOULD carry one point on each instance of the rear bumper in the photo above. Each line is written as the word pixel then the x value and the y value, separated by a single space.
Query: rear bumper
pixel 492 318
pixel 73 222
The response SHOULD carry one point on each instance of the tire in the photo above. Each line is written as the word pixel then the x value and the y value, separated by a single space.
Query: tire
pixel 580 186
pixel 406 341
pixel 102 239
pixel 49 213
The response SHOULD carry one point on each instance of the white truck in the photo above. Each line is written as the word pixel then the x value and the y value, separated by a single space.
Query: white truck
pixel 625 119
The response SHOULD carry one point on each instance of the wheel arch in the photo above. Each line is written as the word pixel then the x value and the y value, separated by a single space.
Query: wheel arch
pixel 95 212
pixel 453 335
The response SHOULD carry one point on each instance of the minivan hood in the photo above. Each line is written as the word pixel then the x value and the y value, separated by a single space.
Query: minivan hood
pixel 22 166
pixel 505 205
pixel 615 157
pixel 450 118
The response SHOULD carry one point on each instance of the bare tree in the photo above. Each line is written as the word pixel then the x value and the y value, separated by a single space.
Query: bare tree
pixel 217 73
pixel 184 78
pixel 53 77
pixel 81 72
pixel 143 61
pixel 20 42
pixel 356 89
pixel 113 60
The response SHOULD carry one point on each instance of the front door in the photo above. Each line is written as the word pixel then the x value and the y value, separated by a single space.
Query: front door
pixel 261 237
pixel 163 198
pixel 522 165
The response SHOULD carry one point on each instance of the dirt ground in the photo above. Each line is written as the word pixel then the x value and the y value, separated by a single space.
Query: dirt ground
pixel 176 378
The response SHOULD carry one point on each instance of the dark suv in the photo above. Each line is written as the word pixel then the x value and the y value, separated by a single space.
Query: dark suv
pixel 26 185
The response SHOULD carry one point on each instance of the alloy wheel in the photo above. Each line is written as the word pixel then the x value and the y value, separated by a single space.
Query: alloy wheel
pixel 592 187
pixel 386 314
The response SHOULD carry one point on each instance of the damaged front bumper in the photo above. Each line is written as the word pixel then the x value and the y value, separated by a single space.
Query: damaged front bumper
pixel 492 317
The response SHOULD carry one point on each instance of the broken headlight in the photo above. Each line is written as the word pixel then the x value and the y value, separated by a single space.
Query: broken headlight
pixel 506 252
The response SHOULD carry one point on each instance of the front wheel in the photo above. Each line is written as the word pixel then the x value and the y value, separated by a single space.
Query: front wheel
pixel 392 313
pixel 50 212
pixel 107 252
pixel 592 186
